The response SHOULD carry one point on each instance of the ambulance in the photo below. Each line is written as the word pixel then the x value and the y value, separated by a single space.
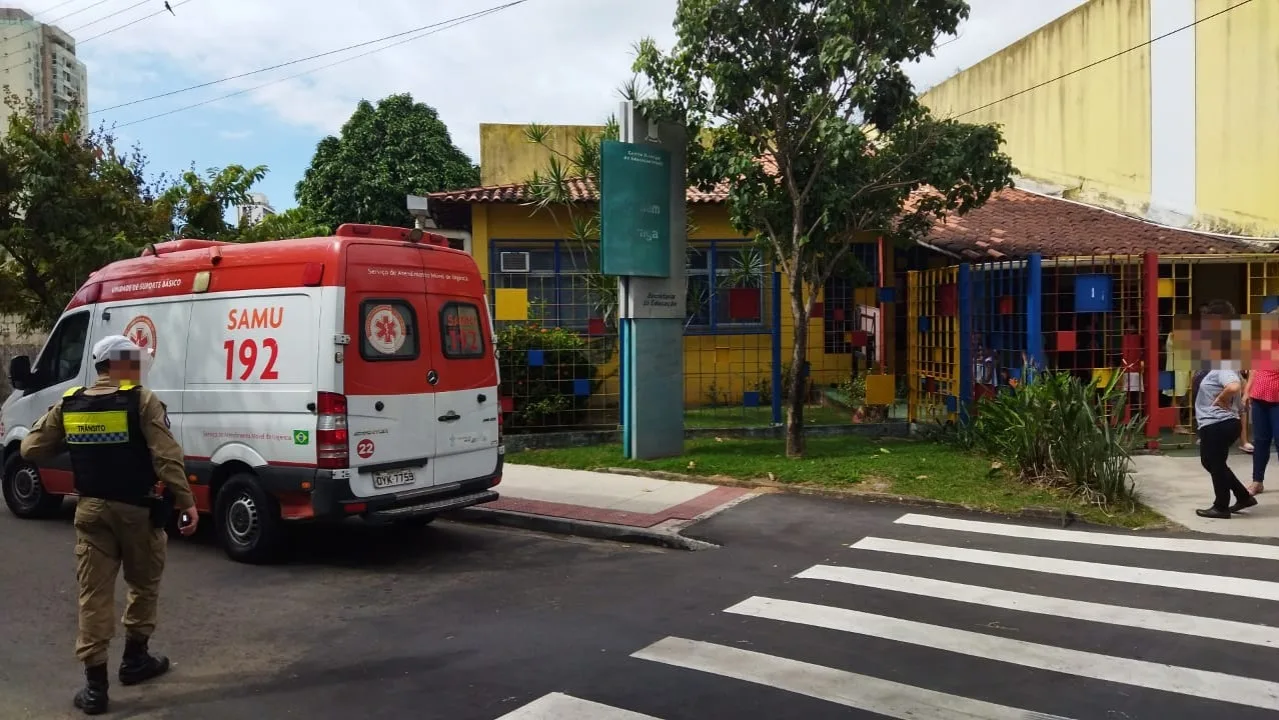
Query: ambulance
pixel 315 379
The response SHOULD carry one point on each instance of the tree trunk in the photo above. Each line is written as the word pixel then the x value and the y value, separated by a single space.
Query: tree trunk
pixel 798 379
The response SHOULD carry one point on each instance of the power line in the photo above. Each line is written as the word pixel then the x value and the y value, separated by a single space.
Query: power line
pixel 1094 64
pixel 77 12
pixel 131 23
pixel 439 27
pixel 306 59
pixel 177 4
pixel 64 3
pixel 105 17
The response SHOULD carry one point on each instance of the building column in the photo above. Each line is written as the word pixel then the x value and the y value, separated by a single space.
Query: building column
pixel 1173 172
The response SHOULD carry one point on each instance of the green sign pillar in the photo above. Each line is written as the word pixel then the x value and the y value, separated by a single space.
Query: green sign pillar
pixel 643 241
pixel 635 210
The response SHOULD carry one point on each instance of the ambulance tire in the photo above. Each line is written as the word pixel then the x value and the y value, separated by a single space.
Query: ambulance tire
pixel 23 492
pixel 248 522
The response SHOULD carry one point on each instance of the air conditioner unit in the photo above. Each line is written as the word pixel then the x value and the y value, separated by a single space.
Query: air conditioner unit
pixel 514 262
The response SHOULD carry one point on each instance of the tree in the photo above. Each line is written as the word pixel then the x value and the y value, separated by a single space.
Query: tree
pixel 292 223
pixel 70 202
pixel 199 204
pixel 803 110
pixel 383 153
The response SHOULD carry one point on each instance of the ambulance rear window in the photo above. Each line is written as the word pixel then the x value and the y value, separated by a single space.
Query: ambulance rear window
pixel 389 330
pixel 460 331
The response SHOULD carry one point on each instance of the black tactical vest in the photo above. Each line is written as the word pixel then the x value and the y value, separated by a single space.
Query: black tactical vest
pixel 109 454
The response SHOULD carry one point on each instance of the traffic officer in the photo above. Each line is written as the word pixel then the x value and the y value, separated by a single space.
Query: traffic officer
pixel 118 438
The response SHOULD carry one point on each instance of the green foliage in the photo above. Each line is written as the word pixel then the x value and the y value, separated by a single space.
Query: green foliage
pixel 198 203
pixel 292 223
pixel 855 390
pixel 544 394
pixel 817 88
pixel 384 153
pixel 1060 431
pixel 550 193
pixel 70 202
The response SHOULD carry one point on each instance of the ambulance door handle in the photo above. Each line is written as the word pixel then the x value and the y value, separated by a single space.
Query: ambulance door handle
pixel 450 417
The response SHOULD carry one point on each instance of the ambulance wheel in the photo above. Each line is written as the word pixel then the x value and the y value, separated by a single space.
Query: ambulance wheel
pixel 248 521
pixel 23 491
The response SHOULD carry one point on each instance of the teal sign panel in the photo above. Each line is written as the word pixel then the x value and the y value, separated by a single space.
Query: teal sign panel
pixel 635 210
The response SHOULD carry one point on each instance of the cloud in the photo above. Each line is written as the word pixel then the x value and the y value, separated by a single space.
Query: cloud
pixel 553 61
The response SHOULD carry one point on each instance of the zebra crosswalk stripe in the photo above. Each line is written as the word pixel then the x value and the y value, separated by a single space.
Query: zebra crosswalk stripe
pixel 558 706
pixel 1219 584
pixel 1127 671
pixel 1135 542
pixel 863 692
pixel 1198 626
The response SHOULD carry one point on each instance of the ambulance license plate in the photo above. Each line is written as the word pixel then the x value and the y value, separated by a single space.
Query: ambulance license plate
pixel 392 478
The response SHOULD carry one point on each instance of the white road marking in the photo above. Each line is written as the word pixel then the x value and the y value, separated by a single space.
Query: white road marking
pixel 1140 673
pixel 863 692
pixel 1219 584
pixel 1136 542
pixel 1198 626
pixel 558 706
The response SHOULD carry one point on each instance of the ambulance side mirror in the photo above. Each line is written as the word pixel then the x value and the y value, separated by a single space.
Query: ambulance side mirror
pixel 20 372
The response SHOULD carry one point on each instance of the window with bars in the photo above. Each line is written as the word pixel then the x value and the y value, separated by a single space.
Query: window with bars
pixel 559 292
pixel 726 288
pixel 840 315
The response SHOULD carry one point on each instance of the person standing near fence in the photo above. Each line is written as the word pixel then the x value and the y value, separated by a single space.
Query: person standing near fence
pixel 1217 412
pixel 1261 402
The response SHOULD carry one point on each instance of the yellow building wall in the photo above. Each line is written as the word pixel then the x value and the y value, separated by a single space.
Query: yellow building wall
pixel 733 363
pixel 507 156
pixel 1237 117
pixel 1089 132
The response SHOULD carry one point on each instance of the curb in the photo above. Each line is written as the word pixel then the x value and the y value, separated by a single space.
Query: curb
pixel 1063 517
pixel 580 528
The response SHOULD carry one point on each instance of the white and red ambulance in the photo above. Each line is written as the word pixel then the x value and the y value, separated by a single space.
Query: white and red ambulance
pixel 309 379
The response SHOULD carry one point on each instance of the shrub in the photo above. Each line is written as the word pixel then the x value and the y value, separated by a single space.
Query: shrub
pixel 1061 431
pixel 544 395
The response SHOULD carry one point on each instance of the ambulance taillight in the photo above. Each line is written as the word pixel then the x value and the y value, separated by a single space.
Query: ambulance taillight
pixel 332 443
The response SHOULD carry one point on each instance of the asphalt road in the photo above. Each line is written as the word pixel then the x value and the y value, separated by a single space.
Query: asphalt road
pixel 467 622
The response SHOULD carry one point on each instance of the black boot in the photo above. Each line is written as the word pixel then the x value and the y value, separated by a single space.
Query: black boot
pixel 92 698
pixel 139 665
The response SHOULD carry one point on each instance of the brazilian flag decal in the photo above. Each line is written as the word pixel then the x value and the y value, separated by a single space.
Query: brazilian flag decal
pixel 301 437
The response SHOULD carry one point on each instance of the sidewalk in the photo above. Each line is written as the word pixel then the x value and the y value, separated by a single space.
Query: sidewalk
pixel 603 505
pixel 1176 485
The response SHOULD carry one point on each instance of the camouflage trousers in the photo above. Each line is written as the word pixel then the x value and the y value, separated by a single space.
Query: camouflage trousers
pixel 111 535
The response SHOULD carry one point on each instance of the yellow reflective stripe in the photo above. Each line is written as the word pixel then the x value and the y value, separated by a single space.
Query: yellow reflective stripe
pixel 126 385
pixel 72 391
pixel 84 423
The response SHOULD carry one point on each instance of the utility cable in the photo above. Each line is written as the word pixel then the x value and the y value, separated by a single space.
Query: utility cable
pixel 1103 60
pixel 439 27
pixel 176 4
pixel 317 56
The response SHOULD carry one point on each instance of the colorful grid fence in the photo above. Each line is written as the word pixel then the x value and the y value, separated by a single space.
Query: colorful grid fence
pixel 1093 321
pixel 558 339
pixel 556 323
pixel 933 363
pixel 1004 337
pixel 1102 318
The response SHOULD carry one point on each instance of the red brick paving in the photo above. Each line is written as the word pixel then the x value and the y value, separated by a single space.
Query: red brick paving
pixel 684 511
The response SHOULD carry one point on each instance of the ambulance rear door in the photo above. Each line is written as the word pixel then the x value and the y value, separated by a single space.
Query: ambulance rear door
pixel 465 379
pixel 390 406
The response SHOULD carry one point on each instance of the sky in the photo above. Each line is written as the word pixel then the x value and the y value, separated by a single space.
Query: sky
pixel 547 61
